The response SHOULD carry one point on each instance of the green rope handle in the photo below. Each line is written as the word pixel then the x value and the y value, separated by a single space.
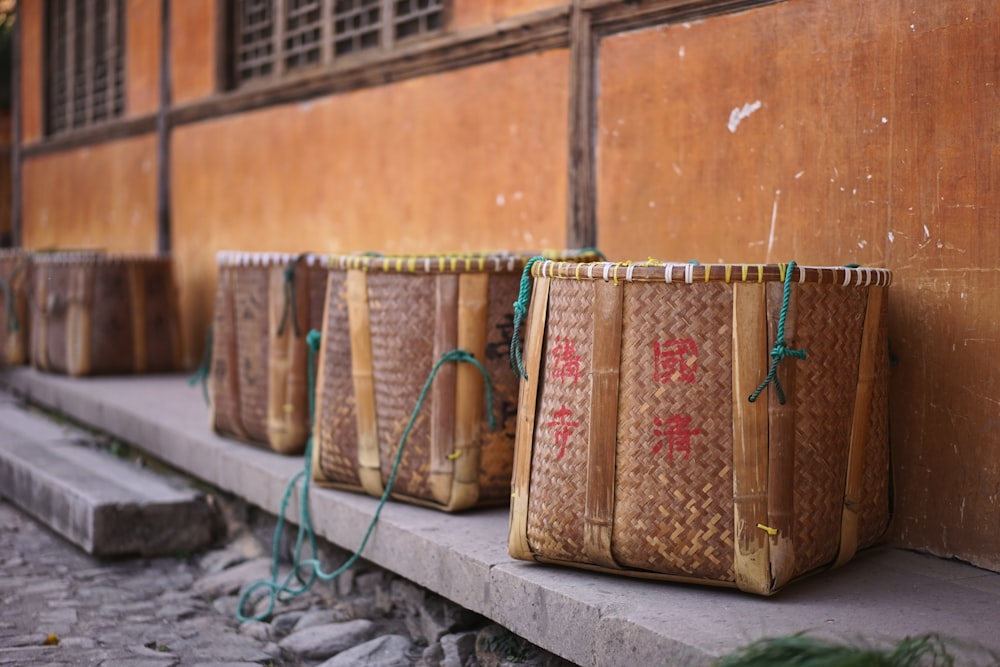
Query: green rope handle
pixel 201 375
pixel 8 292
pixel 520 312
pixel 290 300
pixel 285 590
pixel 780 350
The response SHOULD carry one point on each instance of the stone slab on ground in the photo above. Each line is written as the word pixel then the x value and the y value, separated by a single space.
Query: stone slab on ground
pixel 107 506
pixel 591 619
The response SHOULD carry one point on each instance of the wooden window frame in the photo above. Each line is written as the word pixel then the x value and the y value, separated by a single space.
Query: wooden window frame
pixel 282 59
pixel 84 64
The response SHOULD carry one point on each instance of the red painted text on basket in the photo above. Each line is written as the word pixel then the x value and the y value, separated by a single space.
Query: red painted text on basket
pixel 675 360
pixel 564 428
pixel 566 360
pixel 676 432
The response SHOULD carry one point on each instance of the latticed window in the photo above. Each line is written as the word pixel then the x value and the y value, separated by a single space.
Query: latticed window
pixel 84 63
pixel 274 37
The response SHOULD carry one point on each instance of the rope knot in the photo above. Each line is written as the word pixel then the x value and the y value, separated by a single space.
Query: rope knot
pixel 780 351
pixel 520 312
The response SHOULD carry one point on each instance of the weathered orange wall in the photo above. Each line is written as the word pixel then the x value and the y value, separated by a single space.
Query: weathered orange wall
pixel 98 197
pixel 474 159
pixel 193 28
pixel 829 133
pixel 470 13
pixel 142 57
pixel 29 18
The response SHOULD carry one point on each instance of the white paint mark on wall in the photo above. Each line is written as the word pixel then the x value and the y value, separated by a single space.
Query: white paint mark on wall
pixel 652 204
pixel 501 200
pixel 884 120
pixel 862 243
pixel 680 52
pixel 518 196
pixel 800 174
pixel 892 237
pixel 774 220
pixel 677 169
pixel 737 115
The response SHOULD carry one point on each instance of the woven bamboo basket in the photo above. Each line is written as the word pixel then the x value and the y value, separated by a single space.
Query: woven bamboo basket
pixel 94 313
pixel 265 303
pixel 388 320
pixel 13 307
pixel 638 451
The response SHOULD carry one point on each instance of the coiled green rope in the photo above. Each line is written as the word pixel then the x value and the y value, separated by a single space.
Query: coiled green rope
pixel 285 590
pixel 201 375
pixel 520 313
pixel 780 351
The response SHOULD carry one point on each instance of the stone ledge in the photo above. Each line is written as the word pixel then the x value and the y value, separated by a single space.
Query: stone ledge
pixel 102 504
pixel 590 619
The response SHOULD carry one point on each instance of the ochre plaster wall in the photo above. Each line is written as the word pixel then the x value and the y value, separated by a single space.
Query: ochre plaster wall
pixel 193 34
pixel 29 18
pixel 98 197
pixel 469 160
pixel 829 133
pixel 142 57
pixel 471 13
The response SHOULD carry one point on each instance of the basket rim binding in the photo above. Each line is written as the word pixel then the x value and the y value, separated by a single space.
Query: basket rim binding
pixel 78 257
pixel 690 273
pixel 240 258
pixel 496 262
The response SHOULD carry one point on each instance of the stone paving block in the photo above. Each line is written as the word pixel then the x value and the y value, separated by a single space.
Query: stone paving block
pixel 103 504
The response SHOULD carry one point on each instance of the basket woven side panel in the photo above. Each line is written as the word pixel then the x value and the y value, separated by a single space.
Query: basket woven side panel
pixel 161 318
pixel 13 341
pixel 674 484
pixel 401 312
pixel 52 309
pixel 557 489
pixel 251 289
pixel 497 454
pixel 317 297
pixel 225 404
pixel 336 423
pixel 874 512
pixel 829 321
pixel 112 339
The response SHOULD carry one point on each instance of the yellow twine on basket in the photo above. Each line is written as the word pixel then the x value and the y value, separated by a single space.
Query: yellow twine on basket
pixel 288 408
pixel 745 267
pixel 482 262
pixel 729 272
pixel 454 263
pixel 781 271
pixel 399 263
pixel 760 273
pixel 454 455
pixel 708 269
pixel 767 529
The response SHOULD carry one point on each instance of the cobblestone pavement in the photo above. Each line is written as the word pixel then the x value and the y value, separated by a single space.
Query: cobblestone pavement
pixel 60 606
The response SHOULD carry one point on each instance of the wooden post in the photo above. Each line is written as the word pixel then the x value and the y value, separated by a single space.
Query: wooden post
pixel 581 228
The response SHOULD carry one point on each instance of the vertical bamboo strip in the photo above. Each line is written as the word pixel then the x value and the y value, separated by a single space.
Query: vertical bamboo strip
pixel 40 322
pixel 232 356
pixel 137 301
pixel 278 361
pixel 517 537
pixel 364 382
pixel 442 394
pixel 473 300
pixel 316 426
pixel 78 322
pixel 781 446
pixel 750 365
pixel 870 339
pixel 603 436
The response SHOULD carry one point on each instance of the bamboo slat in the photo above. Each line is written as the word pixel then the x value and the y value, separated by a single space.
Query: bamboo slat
pixel 443 391
pixel 369 468
pixel 750 431
pixel 853 487
pixel 517 536
pixel 600 498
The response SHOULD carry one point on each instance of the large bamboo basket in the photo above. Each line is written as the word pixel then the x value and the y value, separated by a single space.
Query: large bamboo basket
pixel 13 307
pixel 265 304
pixel 94 313
pixel 639 453
pixel 388 320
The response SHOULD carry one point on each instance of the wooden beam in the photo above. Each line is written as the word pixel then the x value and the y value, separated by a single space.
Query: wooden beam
pixel 581 228
pixel 163 231
pixel 88 136
pixel 609 16
pixel 17 237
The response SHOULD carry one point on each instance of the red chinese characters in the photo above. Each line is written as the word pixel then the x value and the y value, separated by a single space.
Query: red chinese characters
pixel 566 360
pixel 676 433
pixel 563 428
pixel 675 360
